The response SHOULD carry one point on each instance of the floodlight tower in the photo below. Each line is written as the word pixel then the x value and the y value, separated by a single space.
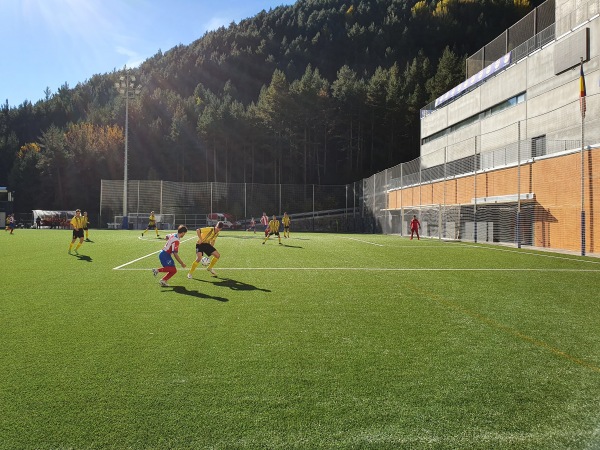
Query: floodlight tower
pixel 128 87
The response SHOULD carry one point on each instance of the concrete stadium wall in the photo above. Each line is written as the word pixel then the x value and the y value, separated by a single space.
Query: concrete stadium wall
pixel 550 113
pixel 549 78
pixel 556 183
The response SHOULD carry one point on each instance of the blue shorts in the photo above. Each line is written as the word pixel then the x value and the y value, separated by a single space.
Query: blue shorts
pixel 166 259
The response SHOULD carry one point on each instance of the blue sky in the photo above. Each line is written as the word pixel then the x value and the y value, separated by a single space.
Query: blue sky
pixel 47 43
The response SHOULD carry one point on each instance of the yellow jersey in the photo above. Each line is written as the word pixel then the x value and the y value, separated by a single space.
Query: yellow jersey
pixel 77 222
pixel 208 234
pixel 274 226
pixel 286 221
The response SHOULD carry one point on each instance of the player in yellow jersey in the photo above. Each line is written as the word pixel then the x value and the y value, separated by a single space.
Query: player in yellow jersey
pixel 151 223
pixel 206 245
pixel 273 229
pixel 77 225
pixel 286 225
pixel 85 225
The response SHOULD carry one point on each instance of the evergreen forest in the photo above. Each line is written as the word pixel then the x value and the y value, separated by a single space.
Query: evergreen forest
pixel 322 91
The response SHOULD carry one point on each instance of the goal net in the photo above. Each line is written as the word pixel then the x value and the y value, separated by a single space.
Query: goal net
pixel 140 221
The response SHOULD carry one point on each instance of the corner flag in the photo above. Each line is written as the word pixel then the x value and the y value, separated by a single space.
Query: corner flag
pixel 582 90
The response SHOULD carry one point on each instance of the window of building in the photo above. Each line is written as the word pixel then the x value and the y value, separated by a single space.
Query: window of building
pixel 476 117
pixel 538 146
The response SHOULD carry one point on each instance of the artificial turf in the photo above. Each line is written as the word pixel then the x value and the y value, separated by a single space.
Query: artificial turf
pixel 330 341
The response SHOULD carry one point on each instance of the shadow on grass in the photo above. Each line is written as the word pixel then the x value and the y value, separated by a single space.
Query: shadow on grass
pixel 285 245
pixel 234 285
pixel 184 291
pixel 85 258
pixel 291 246
pixel 233 236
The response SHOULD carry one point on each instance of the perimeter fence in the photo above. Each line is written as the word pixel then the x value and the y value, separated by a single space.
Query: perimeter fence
pixel 534 192
pixel 312 207
pixel 528 193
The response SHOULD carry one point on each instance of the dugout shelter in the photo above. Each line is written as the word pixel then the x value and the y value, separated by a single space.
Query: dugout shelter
pixel 52 218
pixel 6 203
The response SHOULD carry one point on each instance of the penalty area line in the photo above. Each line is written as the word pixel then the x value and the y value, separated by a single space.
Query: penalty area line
pixel 143 257
pixel 525 252
pixel 390 269
pixel 360 240
pixel 417 269
pixel 136 260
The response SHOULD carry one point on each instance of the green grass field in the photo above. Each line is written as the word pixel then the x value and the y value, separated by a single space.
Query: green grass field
pixel 328 341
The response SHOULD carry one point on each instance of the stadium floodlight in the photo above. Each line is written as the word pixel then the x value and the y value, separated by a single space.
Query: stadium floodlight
pixel 128 87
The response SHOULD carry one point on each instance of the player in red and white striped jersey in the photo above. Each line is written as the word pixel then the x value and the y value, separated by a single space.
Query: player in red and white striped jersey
pixel 166 255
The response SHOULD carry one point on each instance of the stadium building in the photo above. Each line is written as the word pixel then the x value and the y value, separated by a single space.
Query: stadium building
pixel 511 154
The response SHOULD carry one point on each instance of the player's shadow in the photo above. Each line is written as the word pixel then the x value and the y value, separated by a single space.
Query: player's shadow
pixel 85 258
pixel 291 246
pixel 184 291
pixel 234 285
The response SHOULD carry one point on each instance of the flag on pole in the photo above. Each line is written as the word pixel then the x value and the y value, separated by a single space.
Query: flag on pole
pixel 582 90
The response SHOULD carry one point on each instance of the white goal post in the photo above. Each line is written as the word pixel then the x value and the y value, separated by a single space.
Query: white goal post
pixel 139 221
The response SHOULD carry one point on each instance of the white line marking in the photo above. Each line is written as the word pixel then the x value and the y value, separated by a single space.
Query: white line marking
pixel 146 256
pixel 422 247
pixel 392 269
pixel 136 260
pixel 360 240
pixel 522 252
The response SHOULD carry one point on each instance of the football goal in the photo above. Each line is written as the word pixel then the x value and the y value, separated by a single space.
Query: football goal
pixel 139 221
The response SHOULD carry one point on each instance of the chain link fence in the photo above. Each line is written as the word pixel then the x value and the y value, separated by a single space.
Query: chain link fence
pixel 529 192
pixel 312 207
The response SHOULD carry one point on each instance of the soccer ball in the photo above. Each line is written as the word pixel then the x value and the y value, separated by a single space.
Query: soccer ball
pixel 205 261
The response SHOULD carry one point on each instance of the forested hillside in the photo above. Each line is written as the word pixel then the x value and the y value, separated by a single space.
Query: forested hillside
pixel 323 91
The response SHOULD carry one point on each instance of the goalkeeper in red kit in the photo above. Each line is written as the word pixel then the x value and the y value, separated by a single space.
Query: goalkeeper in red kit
pixel 415 225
